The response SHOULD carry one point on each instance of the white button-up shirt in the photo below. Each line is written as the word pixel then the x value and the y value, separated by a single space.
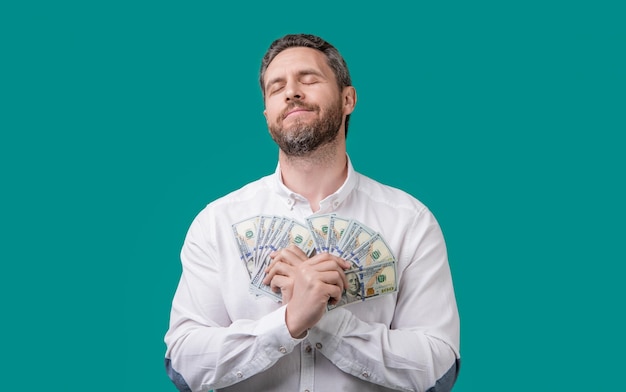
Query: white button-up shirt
pixel 223 337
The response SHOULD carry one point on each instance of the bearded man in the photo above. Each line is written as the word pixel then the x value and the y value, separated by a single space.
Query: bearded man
pixel 222 337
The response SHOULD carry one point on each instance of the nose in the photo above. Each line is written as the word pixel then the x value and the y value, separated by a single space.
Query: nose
pixel 293 91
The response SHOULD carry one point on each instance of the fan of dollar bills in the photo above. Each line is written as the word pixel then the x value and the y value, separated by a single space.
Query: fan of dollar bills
pixel 373 271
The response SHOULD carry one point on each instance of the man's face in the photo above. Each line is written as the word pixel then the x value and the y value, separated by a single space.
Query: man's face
pixel 353 284
pixel 303 105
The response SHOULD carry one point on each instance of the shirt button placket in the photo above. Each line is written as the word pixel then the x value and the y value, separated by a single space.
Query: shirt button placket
pixel 307 368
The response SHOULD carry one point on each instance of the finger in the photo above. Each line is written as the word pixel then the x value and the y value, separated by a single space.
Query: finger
pixel 335 294
pixel 334 278
pixel 322 257
pixel 279 282
pixel 332 272
pixel 291 255
pixel 279 260
pixel 297 252
pixel 276 259
pixel 326 265
pixel 277 269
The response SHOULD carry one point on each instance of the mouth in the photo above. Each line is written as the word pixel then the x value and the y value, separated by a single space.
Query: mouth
pixel 295 111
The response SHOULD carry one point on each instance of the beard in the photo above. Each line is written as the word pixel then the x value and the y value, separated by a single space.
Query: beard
pixel 303 137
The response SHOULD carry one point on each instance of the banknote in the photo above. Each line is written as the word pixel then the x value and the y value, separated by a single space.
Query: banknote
pixel 297 234
pixel 356 234
pixel 246 235
pixel 318 226
pixel 369 282
pixel 258 288
pixel 280 233
pixel 265 231
pixel 273 231
pixel 373 271
pixel 373 251
pixel 336 228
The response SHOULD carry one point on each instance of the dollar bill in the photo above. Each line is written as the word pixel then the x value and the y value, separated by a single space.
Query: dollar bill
pixel 368 283
pixel 298 234
pixel 318 225
pixel 257 287
pixel 336 228
pixel 263 225
pixel 274 232
pixel 373 251
pixel 356 235
pixel 281 234
pixel 246 233
pixel 373 271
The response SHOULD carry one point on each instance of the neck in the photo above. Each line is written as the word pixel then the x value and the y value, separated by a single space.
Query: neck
pixel 316 175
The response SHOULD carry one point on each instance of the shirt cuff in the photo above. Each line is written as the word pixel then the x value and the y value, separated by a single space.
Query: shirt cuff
pixel 274 335
pixel 330 328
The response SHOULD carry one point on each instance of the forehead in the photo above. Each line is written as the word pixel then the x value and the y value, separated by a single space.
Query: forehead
pixel 296 60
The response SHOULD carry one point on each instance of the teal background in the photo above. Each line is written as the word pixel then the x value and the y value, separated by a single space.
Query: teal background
pixel 120 120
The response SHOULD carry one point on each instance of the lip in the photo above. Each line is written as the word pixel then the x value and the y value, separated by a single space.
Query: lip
pixel 293 111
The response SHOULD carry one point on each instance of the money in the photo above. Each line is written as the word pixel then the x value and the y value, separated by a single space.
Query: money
pixel 368 283
pixel 288 232
pixel 373 271
pixel 373 251
pixel 336 228
pixel 318 225
pixel 356 234
pixel 246 233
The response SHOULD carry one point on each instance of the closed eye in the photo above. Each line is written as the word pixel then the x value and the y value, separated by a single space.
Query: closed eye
pixel 276 88
pixel 309 79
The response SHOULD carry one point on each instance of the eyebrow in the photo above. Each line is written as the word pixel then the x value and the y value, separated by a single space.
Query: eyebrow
pixel 303 72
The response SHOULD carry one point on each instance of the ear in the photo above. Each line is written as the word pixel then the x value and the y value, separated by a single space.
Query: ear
pixel 265 114
pixel 349 99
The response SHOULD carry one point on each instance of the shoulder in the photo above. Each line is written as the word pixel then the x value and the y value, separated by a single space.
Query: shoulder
pixel 238 201
pixel 383 194
pixel 250 191
pixel 245 193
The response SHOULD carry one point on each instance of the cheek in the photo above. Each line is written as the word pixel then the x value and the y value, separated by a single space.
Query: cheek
pixel 271 112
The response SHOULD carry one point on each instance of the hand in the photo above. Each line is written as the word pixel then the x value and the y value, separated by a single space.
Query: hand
pixel 308 285
pixel 280 273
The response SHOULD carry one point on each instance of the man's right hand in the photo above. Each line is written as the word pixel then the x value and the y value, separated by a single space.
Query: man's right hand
pixel 307 285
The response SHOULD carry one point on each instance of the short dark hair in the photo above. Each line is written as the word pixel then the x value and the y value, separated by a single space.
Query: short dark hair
pixel 333 57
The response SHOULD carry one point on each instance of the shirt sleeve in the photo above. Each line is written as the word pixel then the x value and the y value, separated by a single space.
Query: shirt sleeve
pixel 205 349
pixel 418 351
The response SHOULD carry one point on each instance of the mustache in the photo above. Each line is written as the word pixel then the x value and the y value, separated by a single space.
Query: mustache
pixel 296 103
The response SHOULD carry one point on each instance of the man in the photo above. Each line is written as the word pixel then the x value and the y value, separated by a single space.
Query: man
pixel 222 337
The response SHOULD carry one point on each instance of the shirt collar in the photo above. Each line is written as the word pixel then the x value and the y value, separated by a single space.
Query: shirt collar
pixel 335 199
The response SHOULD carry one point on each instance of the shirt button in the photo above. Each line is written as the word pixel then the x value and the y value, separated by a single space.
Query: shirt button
pixel 282 349
pixel 308 349
pixel 239 374
pixel 336 204
pixel 289 202
pixel 306 390
pixel 318 345
pixel 365 374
